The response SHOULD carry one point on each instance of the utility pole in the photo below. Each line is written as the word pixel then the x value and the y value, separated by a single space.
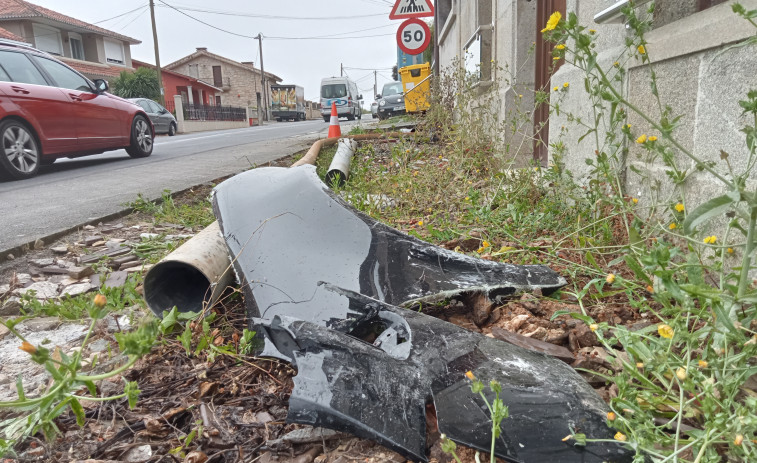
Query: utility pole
pixel 341 69
pixel 375 84
pixel 262 77
pixel 157 52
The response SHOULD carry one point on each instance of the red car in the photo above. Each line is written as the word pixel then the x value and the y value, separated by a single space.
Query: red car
pixel 49 111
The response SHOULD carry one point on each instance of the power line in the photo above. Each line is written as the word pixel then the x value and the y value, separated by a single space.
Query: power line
pixel 266 16
pixel 135 18
pixel 207 24
pixel 278 38
pixel 122 14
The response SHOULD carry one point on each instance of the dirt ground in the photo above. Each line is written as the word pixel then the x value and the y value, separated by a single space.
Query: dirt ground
pixel 193 410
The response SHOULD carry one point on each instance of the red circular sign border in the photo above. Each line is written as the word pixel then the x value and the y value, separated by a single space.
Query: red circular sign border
pixel 426 42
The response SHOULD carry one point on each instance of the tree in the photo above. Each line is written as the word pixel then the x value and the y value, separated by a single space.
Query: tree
pixel 143 83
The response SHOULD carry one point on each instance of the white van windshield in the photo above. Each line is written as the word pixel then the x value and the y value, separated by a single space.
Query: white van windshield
pixel 333 91
pixel 393 88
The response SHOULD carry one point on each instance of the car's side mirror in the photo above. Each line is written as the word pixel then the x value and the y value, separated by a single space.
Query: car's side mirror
pixel 101 85
pixel 378 96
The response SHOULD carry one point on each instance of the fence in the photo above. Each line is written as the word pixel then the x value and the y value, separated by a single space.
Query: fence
pixel 198 112
pixel 198 118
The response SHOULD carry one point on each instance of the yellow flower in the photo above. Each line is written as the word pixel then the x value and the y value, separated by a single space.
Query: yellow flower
pixel 710 239
pixel 100 301
pixel 420 223
pixel 681 373
pixel 560 46
pixel 672 226
pixel 485 244
pixel 28 348
pixel 520 96
pixel 729 250
pixel 566 85
pixel 553 21
pixel 469 374
pixel 555 89
pixel 467 198
pixel 592 31
pixel 642 138
pixel 679 207
pixel 627 126
pixel 594 327
pixel 555 58
pixel 665 331
pixel 650 289
pixel 703 364
pixel 611 416
pixel 639 365
pixel 610 278
pixel 738 439
pixel 620 436
pixel 635 200
pixel 641 49
pixel 407 191
pixel 616 64
pixel 653 138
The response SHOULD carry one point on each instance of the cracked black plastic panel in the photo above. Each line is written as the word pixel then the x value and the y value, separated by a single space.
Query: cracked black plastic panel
pixel 348 384
pixel 368 367
pixel 287 231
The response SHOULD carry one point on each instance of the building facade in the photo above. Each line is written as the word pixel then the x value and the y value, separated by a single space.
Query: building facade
pixel 241 82
pixel 95 52
pixel 700 74
pixel 192 91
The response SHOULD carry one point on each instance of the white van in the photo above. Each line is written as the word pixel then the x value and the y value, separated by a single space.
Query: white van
pixel 344 93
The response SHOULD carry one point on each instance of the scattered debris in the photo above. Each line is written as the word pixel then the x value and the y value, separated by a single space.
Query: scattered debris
pixel 368 367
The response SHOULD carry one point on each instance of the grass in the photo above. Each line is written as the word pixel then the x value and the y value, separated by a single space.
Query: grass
pixel 191 213
pixel 442 193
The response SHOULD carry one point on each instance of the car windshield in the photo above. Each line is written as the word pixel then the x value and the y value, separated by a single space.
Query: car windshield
pixel 333 91
pixel 394 88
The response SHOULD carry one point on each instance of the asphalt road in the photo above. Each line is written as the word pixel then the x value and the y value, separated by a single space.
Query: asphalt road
pixel 73 192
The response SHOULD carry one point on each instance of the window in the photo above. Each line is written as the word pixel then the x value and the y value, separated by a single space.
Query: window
pixel 393 88
pixel 145 105
pixel 20 69
pixel 77 45
pixel 218 100
pixel 47 39
pixel 333 91
pixel 63 76
pixel 155 107
pixel 4 77
pixel 217 76
pixel 114 52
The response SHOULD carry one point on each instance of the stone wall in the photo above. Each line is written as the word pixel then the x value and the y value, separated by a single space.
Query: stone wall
pixel 700 76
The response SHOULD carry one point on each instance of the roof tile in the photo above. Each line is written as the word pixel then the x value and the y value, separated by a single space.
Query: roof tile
pixel 18 9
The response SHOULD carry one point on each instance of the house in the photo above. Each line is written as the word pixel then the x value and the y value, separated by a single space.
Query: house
pixel 192 91
pixel 699 73
pixel 95 52
pixel 240 82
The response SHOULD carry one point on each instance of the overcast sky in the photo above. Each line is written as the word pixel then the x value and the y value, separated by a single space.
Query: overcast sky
pixel 303 62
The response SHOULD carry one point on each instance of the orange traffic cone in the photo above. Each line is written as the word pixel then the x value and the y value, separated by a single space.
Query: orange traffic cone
pixel 334 130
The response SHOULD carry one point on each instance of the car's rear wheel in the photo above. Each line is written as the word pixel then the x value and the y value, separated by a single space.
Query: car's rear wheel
pixel 172 129
pixel 326 119
pixel 350 117
pixel 141 138
pixel 20 158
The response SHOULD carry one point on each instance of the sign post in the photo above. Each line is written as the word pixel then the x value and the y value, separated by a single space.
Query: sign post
pixel 413 36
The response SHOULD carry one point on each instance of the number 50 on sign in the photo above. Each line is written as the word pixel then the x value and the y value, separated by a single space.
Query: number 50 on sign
pixel 413 36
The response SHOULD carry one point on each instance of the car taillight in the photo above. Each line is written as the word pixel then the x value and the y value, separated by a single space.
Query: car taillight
pixel 349 101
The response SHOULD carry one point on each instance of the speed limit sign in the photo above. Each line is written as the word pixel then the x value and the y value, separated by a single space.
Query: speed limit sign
pixel 413 36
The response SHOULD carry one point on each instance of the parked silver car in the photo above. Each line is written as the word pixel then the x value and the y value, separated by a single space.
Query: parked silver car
pixel 161 118
pixel 391 100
